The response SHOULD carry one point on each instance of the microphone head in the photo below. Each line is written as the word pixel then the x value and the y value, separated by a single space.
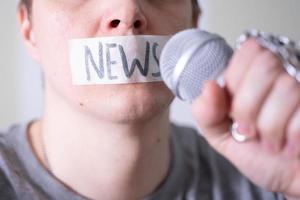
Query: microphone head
pixel 190 58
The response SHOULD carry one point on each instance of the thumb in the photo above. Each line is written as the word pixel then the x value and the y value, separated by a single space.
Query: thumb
pixel 211 111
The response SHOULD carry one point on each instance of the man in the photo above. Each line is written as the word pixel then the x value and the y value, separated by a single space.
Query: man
pixel 113 142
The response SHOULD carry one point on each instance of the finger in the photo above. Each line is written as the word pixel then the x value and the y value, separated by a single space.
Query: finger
pixel 211 108
pixel 293 137
pixel 276 112
pixel 239 64
pixel 211 113
pixel 253 90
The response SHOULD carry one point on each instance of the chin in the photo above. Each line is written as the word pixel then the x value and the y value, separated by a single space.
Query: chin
pixel 129 103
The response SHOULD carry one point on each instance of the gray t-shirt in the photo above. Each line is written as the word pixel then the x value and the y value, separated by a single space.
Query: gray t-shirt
pixel 196 172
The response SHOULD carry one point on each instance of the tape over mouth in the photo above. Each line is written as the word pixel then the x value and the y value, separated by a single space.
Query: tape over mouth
pixel 116 60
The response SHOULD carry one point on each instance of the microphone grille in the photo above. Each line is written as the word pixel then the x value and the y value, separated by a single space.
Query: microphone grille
pixel 206 56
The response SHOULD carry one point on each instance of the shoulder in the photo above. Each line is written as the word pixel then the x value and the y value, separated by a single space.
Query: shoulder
pixel 8 158
pixel 6 189
pixel 8 141
pixel 7 135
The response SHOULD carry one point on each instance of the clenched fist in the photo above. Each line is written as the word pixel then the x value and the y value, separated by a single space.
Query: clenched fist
pixel 265 101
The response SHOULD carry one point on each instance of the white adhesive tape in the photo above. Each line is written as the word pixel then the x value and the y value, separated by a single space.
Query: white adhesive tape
pixel 116 60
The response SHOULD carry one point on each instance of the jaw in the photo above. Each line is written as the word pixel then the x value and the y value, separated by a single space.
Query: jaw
pixel 135 103
pixel 122 104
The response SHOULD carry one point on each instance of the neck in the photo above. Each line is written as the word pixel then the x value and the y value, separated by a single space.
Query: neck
pixel 105 160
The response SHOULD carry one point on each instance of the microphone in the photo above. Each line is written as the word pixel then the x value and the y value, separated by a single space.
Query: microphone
pixel 190 58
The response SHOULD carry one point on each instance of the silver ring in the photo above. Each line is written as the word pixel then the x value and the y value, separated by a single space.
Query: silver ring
pixel 285 48
pixel 237 136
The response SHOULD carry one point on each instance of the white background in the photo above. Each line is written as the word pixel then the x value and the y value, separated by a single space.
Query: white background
pixel 20 77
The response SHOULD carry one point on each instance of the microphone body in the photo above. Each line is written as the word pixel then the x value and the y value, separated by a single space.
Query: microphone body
pixel 190 58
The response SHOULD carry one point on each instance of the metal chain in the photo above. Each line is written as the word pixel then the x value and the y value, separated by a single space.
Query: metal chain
pixel 286 49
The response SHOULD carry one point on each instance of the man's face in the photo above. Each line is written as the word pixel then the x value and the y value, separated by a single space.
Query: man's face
pixel 54 22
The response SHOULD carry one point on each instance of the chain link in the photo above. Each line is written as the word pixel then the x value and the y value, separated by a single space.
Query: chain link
pixel 285 48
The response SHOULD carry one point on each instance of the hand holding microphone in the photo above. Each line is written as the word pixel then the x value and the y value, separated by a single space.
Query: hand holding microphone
pixel 261 95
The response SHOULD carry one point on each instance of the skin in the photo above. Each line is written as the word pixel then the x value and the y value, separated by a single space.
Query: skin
pixel 98 136
pixel 255 96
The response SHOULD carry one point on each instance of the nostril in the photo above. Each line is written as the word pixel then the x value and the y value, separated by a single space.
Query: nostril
pixel 137 24
pixel 114 23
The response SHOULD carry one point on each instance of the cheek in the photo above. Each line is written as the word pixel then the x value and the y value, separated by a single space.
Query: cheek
pixel 52 33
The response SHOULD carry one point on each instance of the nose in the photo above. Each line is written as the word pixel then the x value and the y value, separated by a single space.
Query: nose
pixel 125 19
